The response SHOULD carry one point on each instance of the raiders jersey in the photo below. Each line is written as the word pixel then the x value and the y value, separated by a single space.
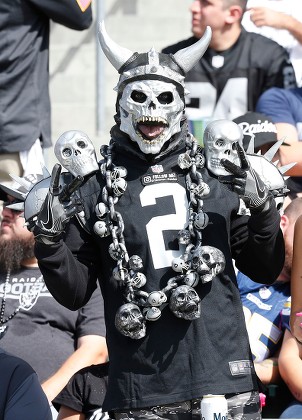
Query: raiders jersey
pixel 227 84
pixel 177 360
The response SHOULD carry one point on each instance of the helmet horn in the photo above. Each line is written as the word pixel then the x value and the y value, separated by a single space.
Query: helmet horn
pixel 189 56
pixel 116 54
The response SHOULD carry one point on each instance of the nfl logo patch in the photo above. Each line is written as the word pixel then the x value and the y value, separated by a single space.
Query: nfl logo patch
pixel 157 169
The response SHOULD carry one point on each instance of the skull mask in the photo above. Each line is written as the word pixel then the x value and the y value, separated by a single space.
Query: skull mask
pixel 220 138
pixel 185 303
pixel 151 89
pixel 208 261
pixel 151 112
pixel 75 151
pixel 130 321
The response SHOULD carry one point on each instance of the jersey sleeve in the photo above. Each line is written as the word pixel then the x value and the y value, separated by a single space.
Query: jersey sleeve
pixel 258 251
pixel 91 316
pixel 74 14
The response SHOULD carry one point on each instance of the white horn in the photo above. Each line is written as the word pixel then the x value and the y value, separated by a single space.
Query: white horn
pixel 116 54
pixel 189 56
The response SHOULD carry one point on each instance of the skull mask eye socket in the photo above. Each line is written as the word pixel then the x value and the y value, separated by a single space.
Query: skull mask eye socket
pixel 206 257
pixel 219 142
pixel 181 297
pixel 138 96
pixel 81 144
pixel 165 98
pixel 66 152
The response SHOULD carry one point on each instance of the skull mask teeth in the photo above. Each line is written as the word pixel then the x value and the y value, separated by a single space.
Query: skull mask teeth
pixel 220 138
pixel 151 112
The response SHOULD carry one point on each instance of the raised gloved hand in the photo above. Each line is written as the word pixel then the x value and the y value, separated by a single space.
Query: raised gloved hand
pixel 61 203
pixel 246 182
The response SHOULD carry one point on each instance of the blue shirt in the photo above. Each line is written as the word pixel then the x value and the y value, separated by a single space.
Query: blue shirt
pixel 263 308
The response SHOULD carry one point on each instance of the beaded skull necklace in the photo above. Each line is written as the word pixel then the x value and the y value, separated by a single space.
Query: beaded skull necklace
pixel 197 263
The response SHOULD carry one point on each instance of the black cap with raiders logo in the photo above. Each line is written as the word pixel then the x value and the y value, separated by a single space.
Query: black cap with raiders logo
pixel 258 126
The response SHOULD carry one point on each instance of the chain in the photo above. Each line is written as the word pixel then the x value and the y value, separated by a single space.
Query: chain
pixel 4 320
pixel 111 223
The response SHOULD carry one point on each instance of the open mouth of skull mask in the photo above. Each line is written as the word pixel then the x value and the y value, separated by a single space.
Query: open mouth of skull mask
pixel 151 112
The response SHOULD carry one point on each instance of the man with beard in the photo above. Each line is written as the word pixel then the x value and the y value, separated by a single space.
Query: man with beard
pixel 265 308
pixel 33 326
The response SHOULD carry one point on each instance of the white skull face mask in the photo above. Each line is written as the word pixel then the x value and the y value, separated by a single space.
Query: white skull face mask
pixel 219 140
pixel 151 111
pixel 75 151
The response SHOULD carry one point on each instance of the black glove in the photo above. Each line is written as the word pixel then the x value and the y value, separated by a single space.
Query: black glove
pixel 59 206
pixel 246 182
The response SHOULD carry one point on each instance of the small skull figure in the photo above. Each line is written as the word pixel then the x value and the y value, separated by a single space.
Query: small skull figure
pixel 135 263
pixel 185 303
pixel 208 261
pixel 75 151
pixel 220 138
pixel 130 321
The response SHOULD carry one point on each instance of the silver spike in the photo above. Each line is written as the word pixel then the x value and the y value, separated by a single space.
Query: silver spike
pixel 22 181
pixel 45 171
pixel 287 167
pixel 251 146
pixel 273 150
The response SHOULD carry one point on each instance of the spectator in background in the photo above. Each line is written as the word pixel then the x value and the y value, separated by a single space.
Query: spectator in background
pixel 21 395
pixel 237 67
pixel 83 396
pixel 284 107
pixel 25 103
pixel 264 307
pixel 55 341
pixel 290 363
pixel 281 21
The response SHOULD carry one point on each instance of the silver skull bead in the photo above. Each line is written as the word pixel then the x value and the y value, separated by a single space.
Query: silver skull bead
pixel 130 321
pixel 208 261
pixel 185 303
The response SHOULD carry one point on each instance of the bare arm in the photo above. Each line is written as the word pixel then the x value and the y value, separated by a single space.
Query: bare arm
pixel 268 370
pixel 67 413
pixel 290 364
pixel 91 350
pixel 263 16
pixel 296 282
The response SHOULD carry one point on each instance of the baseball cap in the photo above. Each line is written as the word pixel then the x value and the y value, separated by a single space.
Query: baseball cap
pixel 257 126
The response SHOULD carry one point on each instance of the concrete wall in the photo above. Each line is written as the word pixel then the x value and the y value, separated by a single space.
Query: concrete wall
pixel 82 79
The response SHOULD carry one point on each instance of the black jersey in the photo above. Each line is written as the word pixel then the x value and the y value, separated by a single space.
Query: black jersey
pixel 227 84
pixel 177 360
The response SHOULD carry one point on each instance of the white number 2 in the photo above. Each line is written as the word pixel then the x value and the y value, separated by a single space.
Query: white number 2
pixel 176 221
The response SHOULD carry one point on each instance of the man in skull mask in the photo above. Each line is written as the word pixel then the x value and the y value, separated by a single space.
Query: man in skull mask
pixel 159 231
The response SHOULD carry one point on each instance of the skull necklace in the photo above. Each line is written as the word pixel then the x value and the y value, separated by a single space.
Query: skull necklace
pixel 198 263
